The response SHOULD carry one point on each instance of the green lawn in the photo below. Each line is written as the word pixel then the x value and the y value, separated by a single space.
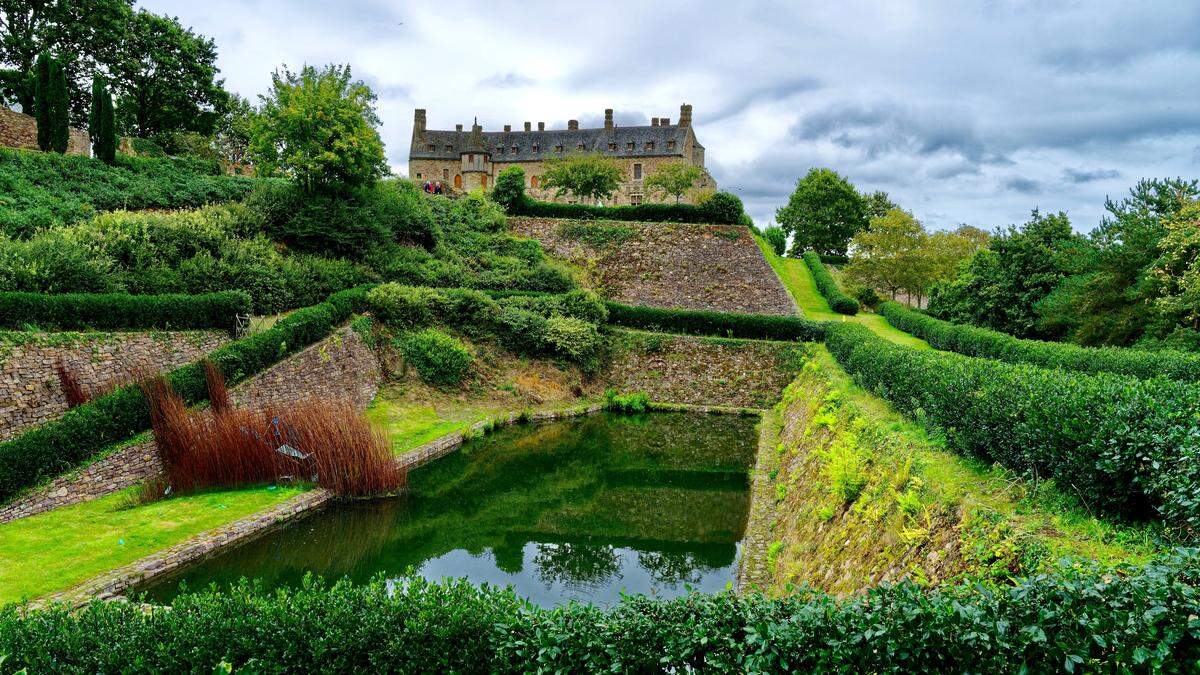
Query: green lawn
pixel 411 425
pixel 56 550
pixel 796 278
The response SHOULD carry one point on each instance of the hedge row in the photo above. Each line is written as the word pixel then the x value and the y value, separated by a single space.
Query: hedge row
pixel 60 445
pixel 975 341
pixel 78 311
pixel 724 324
pixel 1130 447
pixel 1082 618
pixel 838 301
pixel 655 213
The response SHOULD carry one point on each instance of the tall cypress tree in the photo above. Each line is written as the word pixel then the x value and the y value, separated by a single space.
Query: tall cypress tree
pixel 60 108
pixel 41 98
pixel 102 122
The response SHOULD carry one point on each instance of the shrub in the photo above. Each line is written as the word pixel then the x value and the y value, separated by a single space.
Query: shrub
pixel 776 237
pixel 438 357
pixel 635 402
pixel 722 209
pixel 838 301
pixel 1130 447
pixel 521 330
pixel 1097 619
pixel 116 311
pixel 867 297
pixel 509 192
pixel 975 341
pixel 573 338
pixel 402 306
pixel 725 324
pixel 57 446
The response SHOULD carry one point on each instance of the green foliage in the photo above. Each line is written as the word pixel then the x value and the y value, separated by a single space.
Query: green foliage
pixel 52 105
pixel 576 339
pixel 838 301
pixel 673 179
pixel 846 467
pixel 597 235
pixel 653 213
pixel 106 312
pixel 348 224
pixel 405 307
pixel 867 297
pixel 1093 618
pixel 1001 286
pixel 981 342
pixel 823 213
pixel 40 191
pixel 439 358
pixel 319 127
pixel 633 402
pixel 777 238
pixel 723 324
pixel 102 123
pixel 723 208
pixel 84 431
pixel 509 192
pixel 590 177
pixel 1124 445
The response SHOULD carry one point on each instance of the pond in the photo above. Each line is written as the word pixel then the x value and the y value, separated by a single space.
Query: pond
pixel 579 509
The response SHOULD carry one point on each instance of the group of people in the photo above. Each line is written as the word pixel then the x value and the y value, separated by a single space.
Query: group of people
pixel 433 188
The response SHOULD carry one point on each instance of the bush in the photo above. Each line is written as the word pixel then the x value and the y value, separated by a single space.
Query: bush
pixel 974 341
pixel 438 357
pixel 838 301
pixel 867 297
pixel 749 326
pixel 522 330
pixel 509 192
pixel 116 311
pixel 575 339
pixel 1096 619
pixel 57 446
pixel 776 237
pixel 405 307
pixel 636 402
pixel 44 190
pixel 1130 447
pixel 722 208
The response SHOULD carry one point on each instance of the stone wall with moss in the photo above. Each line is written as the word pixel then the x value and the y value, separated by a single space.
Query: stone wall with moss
pixel 711 267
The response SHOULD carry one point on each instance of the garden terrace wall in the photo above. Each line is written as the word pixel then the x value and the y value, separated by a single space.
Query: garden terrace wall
pixel 340 366
pixel 30 392
pixel 702 370
pixel 706 267
pixel 18 130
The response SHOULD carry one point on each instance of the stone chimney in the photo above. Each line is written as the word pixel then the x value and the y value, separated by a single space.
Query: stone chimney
pixel 527 125
pixel 419 120
pixel 608 122
pixel 664 121
pixel 458 127
pixel 653 121
pixel 541 126
pixel 507 128
pixel 573 125
pixel 685 115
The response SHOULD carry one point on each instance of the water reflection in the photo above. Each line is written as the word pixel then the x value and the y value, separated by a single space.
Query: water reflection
pixel 580 509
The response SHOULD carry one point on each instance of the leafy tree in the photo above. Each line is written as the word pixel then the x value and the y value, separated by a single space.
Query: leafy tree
pixel 510 189
pixel 166 79
pixel 42 113
pixel 823 213
pixel 103 123
pixel 319 127
pixel 234 131
pixel 889 254
pixel 1176 273
pixel 776 238
pixel 1000 287
pixel 587 177
pixel 85 35
pixel 879 203
pixel 673 178
pixel 52 106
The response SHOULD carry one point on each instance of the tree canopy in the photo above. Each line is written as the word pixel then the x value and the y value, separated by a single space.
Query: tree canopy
pixel 588 177
pixel 823 213
pixel 673 179
pixel 319 127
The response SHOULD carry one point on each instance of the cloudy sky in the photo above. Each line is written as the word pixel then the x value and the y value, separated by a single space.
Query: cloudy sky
pixel 963 111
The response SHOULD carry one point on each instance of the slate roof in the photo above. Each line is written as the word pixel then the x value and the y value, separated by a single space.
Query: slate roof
pixel 449 144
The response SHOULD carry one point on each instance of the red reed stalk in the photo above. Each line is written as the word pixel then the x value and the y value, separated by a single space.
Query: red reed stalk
pixel 72 390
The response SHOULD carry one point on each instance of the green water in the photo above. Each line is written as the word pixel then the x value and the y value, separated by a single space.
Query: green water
pixel 581 509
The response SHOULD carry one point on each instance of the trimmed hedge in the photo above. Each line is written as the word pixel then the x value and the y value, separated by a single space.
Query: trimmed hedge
pixel 52 448
pixel 720 212
pixel 982 342
pixel 724 324
pixel 1130 447
pixel 1081 618
pixel 79 311
pixel 838 301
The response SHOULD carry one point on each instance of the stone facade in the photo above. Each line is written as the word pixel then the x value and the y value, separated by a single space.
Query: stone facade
pixel 30 393
pixel 341 365
pixel 470 160
pixel 710 267
pixel 703 370
pixel 18 130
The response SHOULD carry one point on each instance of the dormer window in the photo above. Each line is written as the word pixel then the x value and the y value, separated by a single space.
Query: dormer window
pixel 670 145
pixel 558 148
pixel 515 149
pixel 430 147
pixel 612 147
pixel 500 151
pixel 537 147
pixel 629 146
pixel 582 146
pixel 649 145
pixel 449 148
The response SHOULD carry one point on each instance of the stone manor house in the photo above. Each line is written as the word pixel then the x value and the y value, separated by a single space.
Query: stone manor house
pixel 469 160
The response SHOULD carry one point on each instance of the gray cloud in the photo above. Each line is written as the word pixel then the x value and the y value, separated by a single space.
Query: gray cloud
pixel 1026 186
pixel 1089 175
pixel 507 80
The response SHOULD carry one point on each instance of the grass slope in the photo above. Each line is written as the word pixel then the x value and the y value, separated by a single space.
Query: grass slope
pixel 56 550
pixel 798 280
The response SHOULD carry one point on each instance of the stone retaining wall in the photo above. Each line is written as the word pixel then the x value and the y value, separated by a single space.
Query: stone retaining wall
pixel 30 393
pixel 18 130
pixel 754 570
pixel 712 267
pixel 703 370
pixel 342 365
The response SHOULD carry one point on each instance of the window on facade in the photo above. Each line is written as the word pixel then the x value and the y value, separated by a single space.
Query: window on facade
pixel 500 151
pixel 515 149
pixel 470 159
pixel 612 147
pixel 581 146
pixel 449 148
pixel 670 145
pixel 445 174
pixel 537 147
pixel 637 171
pixel 629 145
pixel 635 199
pixel 649 145
pixel 429 147
pixel 558 148
pixel 418 174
